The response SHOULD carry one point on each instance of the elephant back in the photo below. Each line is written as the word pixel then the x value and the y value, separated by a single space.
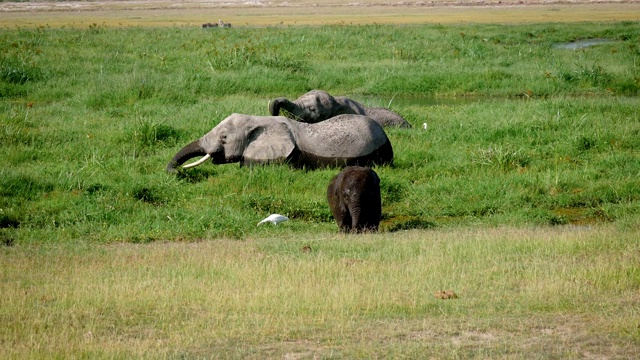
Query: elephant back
pixel 344 137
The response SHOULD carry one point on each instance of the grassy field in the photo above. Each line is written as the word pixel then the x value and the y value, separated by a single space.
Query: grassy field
pixel 522 197
pixel 542 135
pixel 521 293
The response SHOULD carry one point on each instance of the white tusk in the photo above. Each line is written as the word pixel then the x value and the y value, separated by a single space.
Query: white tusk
pixel 196 163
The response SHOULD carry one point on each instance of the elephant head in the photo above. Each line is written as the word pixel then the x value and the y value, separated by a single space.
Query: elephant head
pixel 255 140
pixel 318 105
pixel 312 107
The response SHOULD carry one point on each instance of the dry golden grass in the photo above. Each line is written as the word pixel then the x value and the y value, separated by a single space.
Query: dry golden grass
pixel 555 292
pixel 160 13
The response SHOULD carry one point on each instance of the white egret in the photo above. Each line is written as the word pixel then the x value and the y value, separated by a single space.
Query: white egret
pixel 275 219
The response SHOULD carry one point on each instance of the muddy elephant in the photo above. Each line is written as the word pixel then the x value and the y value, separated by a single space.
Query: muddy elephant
pixel 354 199
pixel 318 105
pixel 255 140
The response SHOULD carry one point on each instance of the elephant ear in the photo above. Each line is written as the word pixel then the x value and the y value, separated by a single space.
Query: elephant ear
pixel 269 143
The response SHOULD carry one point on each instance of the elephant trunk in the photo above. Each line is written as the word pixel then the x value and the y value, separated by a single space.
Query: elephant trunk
pixel 188 152
pixel 356 225
pixel 276 104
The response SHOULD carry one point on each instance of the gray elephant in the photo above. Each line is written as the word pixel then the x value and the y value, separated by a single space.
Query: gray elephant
pixel 254 140
pixel 318 105
pixel 354 199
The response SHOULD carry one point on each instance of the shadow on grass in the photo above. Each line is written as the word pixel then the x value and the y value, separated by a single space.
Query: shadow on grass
pixel 401 223
pixel 195 175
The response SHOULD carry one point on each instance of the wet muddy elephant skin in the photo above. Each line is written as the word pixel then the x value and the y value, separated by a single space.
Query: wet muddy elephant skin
pixel 318 105
pixel 354 199
pixel 256 140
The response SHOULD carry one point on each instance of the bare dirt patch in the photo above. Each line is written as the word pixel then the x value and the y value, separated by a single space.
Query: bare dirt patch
pixel 310 12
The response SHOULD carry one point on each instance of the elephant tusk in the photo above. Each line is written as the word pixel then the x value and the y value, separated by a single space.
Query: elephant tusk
pixel 196 163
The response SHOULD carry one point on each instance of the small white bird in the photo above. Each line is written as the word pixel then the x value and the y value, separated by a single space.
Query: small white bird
pixel 275 219
pixel 424 126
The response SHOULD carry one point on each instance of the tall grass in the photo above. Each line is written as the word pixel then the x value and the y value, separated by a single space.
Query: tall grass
pixel 90 117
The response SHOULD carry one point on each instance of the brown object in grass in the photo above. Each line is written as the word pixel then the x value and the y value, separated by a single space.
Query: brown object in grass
pixel 445 294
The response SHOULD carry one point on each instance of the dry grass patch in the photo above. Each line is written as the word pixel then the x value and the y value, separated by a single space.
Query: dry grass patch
pixel 520 292
pixel 161 13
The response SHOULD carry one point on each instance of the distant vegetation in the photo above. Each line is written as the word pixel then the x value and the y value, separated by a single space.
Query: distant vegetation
pixel 91 117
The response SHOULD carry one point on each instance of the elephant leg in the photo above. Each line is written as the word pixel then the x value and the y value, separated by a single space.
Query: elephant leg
pixel 343 217
pixel 338 209
pixel 374 213
pixel 346 223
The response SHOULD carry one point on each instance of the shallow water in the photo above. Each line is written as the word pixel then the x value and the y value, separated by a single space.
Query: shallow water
pixel 575 45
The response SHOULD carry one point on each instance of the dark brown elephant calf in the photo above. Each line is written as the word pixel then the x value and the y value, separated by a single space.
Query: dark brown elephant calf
pixel 354 199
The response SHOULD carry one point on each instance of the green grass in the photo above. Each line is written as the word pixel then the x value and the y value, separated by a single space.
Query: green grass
pixel 103 254
pixel 91 117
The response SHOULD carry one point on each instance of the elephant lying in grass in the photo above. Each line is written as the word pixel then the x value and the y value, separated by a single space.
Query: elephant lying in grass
pixel 354 199
pixel 318 105
pixel 340 141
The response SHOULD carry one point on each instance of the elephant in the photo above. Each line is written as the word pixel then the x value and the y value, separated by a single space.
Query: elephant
pixel 220 24
pixel 354 199
pixel 318 105
pixel 256 140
